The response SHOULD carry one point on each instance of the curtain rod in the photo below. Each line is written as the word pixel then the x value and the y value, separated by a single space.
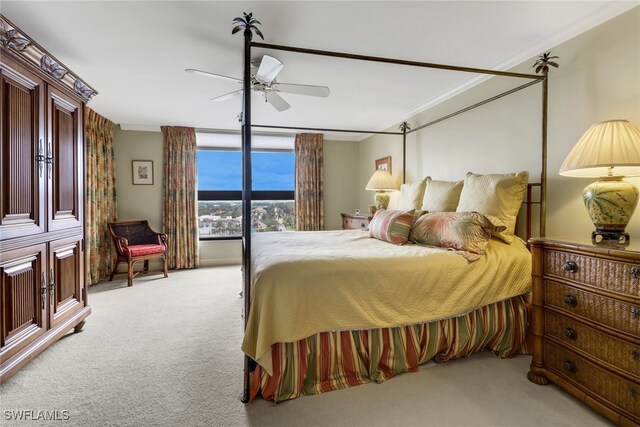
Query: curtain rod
pixel 328 130
pixel 395 61
pixel 471 107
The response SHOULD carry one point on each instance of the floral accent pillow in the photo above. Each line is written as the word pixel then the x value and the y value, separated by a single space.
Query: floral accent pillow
pixel 466 233
pixel 391 226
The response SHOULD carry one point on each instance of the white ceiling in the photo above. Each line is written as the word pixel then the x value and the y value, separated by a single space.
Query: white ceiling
pixel 134 53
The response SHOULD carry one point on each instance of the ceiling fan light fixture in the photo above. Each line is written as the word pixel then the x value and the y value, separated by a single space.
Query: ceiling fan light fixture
pixel 264 81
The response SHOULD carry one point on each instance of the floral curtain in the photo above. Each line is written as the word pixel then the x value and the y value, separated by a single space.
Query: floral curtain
pixel 179 211
pixel 309 187
pixel 101 195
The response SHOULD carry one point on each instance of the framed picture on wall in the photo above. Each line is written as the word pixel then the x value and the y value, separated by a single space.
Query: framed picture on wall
pixel 384 164
pixel 142 172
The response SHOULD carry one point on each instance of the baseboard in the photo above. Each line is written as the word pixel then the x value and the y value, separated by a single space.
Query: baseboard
pixel 223 261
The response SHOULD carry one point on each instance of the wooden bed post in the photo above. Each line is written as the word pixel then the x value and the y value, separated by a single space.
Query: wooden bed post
pixel 248 24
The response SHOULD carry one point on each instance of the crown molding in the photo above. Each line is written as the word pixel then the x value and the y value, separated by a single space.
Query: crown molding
pixel 16 41
pixel 606 13
pixel 140 128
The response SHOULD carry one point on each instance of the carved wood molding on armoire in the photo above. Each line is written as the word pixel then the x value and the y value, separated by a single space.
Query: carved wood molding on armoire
pixel 43 291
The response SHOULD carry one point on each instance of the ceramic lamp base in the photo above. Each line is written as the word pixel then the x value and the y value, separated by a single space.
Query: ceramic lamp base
pixel 610 202
pixel 609 238
pixel 382 200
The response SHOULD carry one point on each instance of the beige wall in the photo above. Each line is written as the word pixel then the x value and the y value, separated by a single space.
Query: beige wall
pixel 598 79
pixel 138 201
pixel 340 181
pixel 145 201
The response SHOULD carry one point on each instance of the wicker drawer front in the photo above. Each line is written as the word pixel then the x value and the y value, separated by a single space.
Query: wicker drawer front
pixel 617 390
pixel 622 354
pixel 622 277
pixel 611 312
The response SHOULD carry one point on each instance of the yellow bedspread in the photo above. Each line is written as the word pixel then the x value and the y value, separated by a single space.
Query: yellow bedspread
pixel 304 283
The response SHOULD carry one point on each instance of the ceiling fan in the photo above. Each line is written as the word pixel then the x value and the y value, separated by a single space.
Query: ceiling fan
pixel 263 80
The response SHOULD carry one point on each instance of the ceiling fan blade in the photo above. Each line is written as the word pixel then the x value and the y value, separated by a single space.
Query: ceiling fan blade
pixel 308 90
pixel 276 101
pixel 208 74
pixel 269 69
pixel 227 96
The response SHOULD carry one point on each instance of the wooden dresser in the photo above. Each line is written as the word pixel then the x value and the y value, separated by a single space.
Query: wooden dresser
pixel 355 222
pixel 586 324
pixel 43 291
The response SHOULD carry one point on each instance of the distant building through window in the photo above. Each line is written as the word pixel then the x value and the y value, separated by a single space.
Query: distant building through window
pixel 220 184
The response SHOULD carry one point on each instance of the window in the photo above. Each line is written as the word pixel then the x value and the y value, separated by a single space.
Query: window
pixel 220 185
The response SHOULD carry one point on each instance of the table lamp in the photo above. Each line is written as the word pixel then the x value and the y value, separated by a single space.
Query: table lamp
pixel 608 151
pixel 381 182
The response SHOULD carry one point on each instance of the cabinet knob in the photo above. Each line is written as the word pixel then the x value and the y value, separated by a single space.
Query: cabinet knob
pixel 571 333
pixel 572 301
pixel 635 312
pixel 635 354
pixel 570 266
pixel 635 272
pixel 634 392
pixel 569 366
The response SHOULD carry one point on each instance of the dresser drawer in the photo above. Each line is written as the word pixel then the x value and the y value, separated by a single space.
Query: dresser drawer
pixel 619 353
pixel 355 222
pixel 620 391
pixel 617 276
pixel 608 311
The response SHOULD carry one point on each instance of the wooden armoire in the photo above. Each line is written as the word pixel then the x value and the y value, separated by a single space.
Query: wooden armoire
pixel 43 291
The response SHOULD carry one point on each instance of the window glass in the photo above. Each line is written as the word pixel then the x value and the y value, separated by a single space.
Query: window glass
pixel 222 170
pixel 220 185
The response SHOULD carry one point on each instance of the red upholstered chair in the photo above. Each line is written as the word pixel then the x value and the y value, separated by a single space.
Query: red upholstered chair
pixel 136 241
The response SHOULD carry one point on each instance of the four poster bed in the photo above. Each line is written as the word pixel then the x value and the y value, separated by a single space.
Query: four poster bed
pixel 332 309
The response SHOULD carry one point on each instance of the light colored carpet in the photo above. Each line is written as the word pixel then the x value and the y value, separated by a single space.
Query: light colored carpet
pixel 166 352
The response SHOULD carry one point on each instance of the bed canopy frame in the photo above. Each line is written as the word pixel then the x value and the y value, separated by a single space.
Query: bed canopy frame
pixel 248 25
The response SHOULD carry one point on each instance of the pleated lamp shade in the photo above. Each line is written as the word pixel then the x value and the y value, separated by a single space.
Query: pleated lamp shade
pixel 381 180
pixel 608 151
pixel 610 148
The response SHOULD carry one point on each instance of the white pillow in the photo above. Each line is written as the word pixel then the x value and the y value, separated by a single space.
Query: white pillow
pixel 394 200
pixel 411 195
pixel 441 196
pixel 497 196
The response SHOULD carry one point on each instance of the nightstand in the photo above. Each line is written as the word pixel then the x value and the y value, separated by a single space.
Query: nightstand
pixel 586 324
pixel 355 222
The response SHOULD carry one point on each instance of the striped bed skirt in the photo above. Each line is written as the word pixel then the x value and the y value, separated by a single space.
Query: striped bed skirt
pixel 339 359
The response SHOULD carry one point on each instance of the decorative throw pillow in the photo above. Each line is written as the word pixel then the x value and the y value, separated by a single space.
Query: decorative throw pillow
pixel 441 196
pixel 411 195
pixel 466 233
pixel 497 196
pixel 391 226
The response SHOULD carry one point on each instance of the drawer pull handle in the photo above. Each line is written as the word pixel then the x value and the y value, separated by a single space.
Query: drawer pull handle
pixel 572 301
pixel 634 392
pixel 569 366
pixel 635 312
pixel 571 333
pixel 635 272
pixel 570 266
pixel 636 354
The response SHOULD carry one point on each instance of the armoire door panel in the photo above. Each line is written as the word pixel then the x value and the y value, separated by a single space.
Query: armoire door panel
pixel 66 275
pixel 22 297
pixel 22 164
pixel 65 157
